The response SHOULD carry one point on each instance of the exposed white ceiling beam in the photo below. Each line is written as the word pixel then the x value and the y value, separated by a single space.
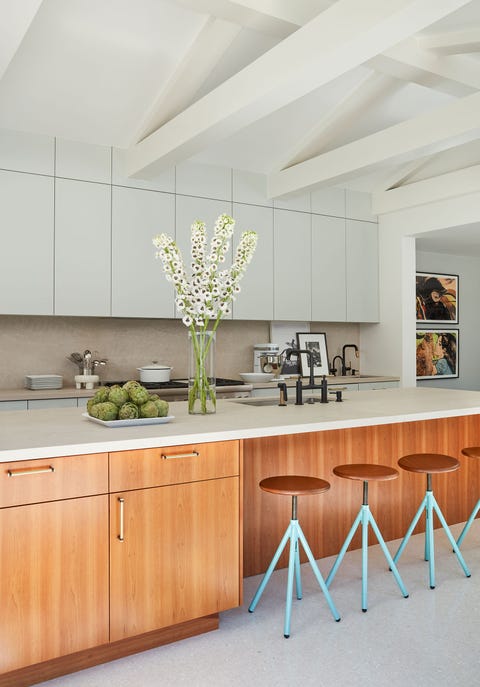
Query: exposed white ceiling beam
pixel 212 42
pixel 342 37
pixel 400 174
pixel 455 75
pixel 452 42
pixel 16 19
pixel 458 183
pixel 432 131
pixel 338 118
pixel 241 13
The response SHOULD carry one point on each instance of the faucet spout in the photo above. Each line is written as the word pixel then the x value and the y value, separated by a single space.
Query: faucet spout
pixel 297 352
pixel 344 363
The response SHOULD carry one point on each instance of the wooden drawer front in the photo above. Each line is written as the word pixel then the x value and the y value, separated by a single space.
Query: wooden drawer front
pixel 51 479
pixel 173 465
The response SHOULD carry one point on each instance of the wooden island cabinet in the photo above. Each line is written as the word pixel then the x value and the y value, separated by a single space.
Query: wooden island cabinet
pixel 113 542
pixel 103 555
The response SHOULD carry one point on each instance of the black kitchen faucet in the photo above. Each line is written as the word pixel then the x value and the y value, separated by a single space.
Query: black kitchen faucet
pixel 299 387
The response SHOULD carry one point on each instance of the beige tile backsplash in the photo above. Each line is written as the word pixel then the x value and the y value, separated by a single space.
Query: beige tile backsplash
pixel 40 345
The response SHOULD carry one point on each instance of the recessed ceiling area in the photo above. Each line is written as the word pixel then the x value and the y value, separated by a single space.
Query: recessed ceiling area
pixel 462 240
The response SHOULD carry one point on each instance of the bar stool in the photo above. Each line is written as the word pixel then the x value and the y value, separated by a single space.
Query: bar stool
pixel 430 463
pixel 365 472
pixel 471 452
pixel 294 486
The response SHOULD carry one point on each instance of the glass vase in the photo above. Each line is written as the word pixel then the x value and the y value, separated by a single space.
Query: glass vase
pixel 201 376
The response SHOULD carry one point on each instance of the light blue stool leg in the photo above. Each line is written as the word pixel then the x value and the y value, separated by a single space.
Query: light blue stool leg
pixel 364 512
pixel 408 534
pixel 298 577
pixel 450 537
pixel 468 524
pixel 318 574
pixel 291 569
pixel 387 555
pixel 343 550
pixel 429 546
pixel 270 569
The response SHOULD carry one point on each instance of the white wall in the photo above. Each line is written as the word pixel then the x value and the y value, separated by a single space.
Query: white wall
pixel 391 344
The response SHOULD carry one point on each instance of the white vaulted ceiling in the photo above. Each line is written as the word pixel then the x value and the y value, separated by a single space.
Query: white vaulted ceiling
pixel 377 95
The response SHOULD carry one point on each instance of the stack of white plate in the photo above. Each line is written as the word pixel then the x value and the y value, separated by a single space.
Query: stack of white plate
pixel 43 381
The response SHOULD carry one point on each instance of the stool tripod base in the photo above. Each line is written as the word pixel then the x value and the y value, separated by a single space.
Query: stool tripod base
pixel 365 518
pixel 294 535
pixel 430 505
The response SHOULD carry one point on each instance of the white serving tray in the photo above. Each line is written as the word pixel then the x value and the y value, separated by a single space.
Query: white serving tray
pixel 131 423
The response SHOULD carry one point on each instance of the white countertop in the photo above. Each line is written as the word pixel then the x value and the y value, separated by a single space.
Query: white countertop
pixel 57 432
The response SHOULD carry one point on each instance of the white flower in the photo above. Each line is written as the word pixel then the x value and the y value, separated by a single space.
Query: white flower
pixel 209 291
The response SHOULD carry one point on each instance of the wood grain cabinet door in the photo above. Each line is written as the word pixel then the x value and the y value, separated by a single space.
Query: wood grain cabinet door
pixel 175 554
pixel 53 579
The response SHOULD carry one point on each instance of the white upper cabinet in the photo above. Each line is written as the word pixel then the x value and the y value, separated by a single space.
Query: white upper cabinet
pixel 25 152
pixel 292 274
pixel 255 301
pixel 26 256
pixel 328 269
pixel 163 182
pixel 362 271
pixel 83 161
pixel 82 248
pixel 139 287
pixel 206 181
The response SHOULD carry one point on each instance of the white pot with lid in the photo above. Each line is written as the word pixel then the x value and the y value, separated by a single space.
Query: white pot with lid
pixel 154 372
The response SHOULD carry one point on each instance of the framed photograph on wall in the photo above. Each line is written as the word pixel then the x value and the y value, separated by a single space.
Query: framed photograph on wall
pixel 437 353
pixel 437 298
pixel 316 343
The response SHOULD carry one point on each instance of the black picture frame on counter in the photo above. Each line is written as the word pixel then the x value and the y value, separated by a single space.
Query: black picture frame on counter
pixel 437 353
pixel 436 298
pixel 316 343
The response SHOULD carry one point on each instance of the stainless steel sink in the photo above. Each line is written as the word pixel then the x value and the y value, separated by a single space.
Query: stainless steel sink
pixel 256 402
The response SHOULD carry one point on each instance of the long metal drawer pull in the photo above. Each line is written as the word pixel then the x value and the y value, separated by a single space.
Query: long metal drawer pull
pixel 122 506
pixel 193 454
pixel 30 471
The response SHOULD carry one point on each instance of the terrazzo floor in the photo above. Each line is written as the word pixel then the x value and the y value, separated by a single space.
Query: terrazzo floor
pixel 427 640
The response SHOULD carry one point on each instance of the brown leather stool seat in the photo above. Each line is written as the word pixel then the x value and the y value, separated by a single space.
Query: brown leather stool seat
pixel 430 464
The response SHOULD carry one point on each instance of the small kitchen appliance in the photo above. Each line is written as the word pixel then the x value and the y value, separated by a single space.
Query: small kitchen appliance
pixel 266 357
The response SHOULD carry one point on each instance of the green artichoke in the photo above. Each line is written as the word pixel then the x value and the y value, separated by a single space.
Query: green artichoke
pixel 105 411
pixel 118 395
pixel 101 395
pixel 154 397
pixel 148 409
pixel 129 411
pixel 91 402
pixel 138 394
pixel 162 407
pixel 130 385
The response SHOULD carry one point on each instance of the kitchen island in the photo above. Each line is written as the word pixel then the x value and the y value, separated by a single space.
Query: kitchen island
pixel 128 478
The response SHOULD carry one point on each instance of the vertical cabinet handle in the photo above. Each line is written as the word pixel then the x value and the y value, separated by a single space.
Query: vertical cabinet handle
pixel 121 503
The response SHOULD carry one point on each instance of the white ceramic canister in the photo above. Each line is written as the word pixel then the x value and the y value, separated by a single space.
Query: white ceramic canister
pixel 260 350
